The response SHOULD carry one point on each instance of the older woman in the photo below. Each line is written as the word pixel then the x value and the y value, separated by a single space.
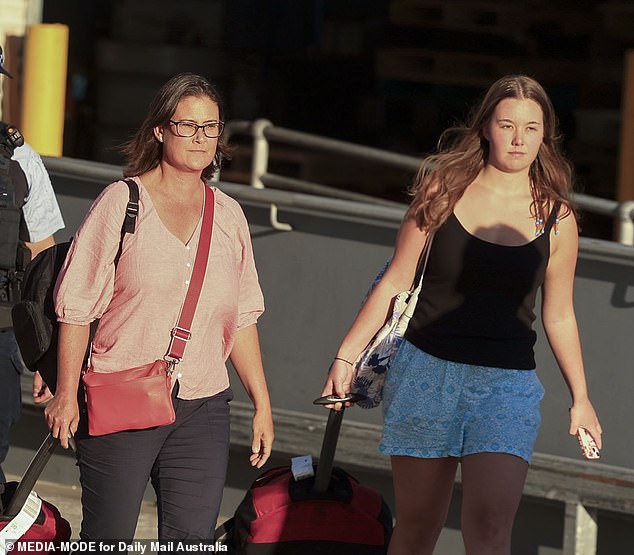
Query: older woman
pixel 137 302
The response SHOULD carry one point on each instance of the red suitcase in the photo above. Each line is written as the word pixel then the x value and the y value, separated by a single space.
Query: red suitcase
pixel 24 516
pixel 328 514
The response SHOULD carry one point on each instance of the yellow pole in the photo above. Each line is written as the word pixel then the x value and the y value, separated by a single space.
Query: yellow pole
pixel 44 87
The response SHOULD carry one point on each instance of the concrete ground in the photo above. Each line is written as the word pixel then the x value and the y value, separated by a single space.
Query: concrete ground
pixel 67 499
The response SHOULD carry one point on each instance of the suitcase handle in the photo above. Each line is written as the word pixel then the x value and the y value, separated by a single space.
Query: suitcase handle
pixel 331 435
pixel 330 399
pixel 31 475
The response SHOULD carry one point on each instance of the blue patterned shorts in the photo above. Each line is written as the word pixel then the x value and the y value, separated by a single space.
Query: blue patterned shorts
pixel 435 408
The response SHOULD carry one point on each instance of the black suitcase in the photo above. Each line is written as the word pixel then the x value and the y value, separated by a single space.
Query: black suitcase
pixel 26 517
pixel 329 514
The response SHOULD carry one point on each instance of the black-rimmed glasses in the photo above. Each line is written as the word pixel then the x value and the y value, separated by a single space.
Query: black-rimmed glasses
pixel 189 129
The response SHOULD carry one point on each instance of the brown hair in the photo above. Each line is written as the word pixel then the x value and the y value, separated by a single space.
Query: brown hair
pixel 463 151
pixel 143 151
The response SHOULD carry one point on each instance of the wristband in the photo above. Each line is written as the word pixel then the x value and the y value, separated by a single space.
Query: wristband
pixel 343 360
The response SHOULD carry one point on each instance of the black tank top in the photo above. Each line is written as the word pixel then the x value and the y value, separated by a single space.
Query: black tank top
pixel 477 302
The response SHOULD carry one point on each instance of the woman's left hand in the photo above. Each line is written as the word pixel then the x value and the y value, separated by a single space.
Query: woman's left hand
pixel 262 437
pixel 583 415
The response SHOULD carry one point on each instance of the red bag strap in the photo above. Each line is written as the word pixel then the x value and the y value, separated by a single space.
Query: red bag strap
pixel 181 333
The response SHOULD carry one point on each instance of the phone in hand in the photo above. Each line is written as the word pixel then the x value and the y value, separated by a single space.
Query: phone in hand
pixel 588 446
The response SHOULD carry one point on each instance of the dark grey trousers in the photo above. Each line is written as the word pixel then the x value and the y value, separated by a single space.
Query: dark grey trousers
pixel 185 461
pixel 11 366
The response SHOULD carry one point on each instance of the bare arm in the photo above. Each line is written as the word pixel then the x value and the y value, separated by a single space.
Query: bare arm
pixel 375 311
pixel 560 324
pixel 247 361
pixel 62 412
pixel 39 246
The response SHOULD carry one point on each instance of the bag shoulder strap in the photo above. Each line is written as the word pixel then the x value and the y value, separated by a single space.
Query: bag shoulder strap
pixel 131 213
pixel 181 333
pixel 424 257
pixel 128 226
pixel 414 292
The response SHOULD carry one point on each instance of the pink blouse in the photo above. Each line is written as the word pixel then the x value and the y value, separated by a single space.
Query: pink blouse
pixel 139 305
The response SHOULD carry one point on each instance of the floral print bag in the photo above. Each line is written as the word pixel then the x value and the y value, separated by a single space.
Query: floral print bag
pixel 372 364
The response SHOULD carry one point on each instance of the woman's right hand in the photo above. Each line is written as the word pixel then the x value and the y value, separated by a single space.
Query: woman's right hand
pixel 62 416
pixel 338 382
pixel 41 392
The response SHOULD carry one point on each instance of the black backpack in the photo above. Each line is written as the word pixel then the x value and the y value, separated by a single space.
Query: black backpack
pixel 34 319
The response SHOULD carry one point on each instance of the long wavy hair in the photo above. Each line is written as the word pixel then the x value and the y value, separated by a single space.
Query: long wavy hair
pixel 143 151
pixel 463 152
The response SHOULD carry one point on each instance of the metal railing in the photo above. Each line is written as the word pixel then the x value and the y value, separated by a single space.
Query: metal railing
pixel 263 132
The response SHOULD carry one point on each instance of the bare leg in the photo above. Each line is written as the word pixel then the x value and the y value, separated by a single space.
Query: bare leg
pixel 422 488
pixel 492 486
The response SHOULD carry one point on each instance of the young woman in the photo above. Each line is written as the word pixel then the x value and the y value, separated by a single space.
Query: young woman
pixel 463 387
pixel 176 148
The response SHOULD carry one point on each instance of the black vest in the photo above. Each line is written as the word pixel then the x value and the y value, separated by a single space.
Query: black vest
pixel 13 232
